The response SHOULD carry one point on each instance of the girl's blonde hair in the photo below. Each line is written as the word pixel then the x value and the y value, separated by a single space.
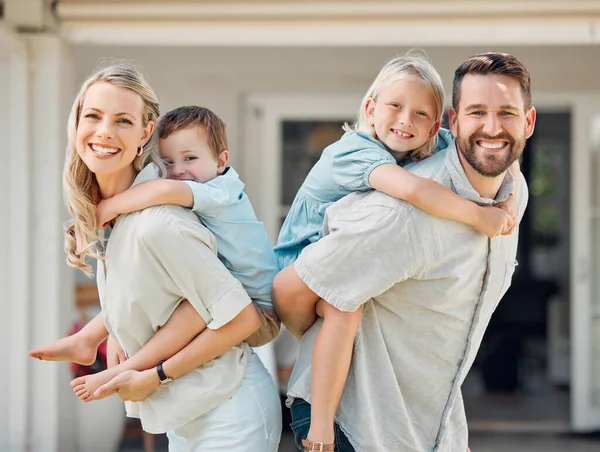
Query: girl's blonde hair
pixel 80 185
pixel 405 67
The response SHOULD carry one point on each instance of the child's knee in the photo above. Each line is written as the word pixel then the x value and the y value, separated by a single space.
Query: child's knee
pixel 343 318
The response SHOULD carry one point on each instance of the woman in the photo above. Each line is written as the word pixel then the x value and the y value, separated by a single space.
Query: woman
pixel 215 394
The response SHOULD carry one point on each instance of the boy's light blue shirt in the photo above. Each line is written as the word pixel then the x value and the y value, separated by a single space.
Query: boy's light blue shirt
pixel 242 242
pixel 344 167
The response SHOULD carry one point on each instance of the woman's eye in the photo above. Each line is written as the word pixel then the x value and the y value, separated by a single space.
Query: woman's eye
pixel 92 116
pixel 125 121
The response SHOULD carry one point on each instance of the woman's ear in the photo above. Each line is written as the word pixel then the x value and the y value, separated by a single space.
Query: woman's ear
pixel 222 161
pixel 148 130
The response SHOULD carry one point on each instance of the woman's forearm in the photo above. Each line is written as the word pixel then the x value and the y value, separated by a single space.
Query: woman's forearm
pixel 212 343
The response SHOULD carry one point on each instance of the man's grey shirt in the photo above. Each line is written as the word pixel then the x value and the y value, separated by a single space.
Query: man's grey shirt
pixel 428 287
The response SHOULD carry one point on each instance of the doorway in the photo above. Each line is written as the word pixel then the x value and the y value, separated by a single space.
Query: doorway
pixel 520 380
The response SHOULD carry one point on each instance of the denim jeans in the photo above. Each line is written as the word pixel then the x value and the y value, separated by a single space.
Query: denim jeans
pixel 301 423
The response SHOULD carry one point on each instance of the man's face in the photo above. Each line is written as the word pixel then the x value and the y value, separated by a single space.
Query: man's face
pixel 491 125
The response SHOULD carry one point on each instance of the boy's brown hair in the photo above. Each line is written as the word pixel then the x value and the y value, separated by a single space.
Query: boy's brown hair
pixel 194 116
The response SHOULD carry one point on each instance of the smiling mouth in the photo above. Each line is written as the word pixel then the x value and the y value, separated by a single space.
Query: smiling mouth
pixel 103 150
pixel 401 134
pixel 491 145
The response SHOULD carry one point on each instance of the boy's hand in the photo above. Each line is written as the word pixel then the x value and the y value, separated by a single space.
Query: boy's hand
pixel 493 221
pixel 104 213
pixel 511 208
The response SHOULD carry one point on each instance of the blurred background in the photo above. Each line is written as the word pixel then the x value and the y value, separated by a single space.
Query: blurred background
pixel 284 75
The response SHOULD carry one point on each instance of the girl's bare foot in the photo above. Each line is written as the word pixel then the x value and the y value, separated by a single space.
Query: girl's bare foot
pixel 75 348
pixel 84 387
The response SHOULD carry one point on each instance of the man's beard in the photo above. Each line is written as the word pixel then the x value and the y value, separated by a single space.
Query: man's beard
pixel 490 164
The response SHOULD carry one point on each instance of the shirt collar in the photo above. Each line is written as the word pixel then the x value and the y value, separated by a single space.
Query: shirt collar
pixel 463 187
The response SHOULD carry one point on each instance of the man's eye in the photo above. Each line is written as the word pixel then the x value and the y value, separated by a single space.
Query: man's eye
pixel 476 113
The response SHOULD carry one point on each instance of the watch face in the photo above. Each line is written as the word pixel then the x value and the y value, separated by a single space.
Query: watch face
pixel 167 382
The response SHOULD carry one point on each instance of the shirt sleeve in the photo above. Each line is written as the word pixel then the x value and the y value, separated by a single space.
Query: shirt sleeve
pixel 184 249
pixel 213 196
pixel 351 168
pixel 366 250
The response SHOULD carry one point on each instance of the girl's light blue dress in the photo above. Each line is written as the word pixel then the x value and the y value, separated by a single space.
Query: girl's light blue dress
pixel 344 167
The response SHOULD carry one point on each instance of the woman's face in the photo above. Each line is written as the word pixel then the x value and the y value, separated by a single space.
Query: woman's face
pixel 111 129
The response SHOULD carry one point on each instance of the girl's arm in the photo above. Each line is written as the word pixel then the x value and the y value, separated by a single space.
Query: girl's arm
pixel 511 206
pixel 437 200
pixel 147 194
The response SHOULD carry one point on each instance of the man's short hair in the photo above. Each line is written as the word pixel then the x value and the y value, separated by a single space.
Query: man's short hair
pixel 493 63
pixel 194 116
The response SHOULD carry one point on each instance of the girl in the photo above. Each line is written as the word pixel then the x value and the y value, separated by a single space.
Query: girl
pixel 398 121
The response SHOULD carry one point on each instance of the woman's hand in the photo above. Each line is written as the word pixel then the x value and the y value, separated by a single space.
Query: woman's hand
pixel 114 354
pixel 131 385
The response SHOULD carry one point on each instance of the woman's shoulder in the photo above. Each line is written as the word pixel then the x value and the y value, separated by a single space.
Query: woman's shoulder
pixel 166 223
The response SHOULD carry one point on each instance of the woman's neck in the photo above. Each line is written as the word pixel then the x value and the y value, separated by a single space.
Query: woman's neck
pixel 115 183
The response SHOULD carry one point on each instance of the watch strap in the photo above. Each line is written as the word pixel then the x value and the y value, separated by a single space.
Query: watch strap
pixel 161 372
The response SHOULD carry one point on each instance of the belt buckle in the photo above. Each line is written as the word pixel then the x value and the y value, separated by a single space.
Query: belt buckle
pixel 317 447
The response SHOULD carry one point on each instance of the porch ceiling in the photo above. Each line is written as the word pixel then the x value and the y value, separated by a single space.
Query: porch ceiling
pixel 331 22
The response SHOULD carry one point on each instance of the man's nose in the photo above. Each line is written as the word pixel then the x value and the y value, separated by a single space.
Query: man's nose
pixel 492 125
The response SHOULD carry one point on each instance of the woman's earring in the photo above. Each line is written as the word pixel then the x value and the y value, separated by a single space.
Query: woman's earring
pixel 140 151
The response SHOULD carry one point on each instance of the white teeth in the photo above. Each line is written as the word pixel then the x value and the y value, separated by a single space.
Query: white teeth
pixel 102 150
pixel 486 145
pixel 402 134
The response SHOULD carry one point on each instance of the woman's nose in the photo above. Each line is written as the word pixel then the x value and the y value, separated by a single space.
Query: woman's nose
pixel 105 129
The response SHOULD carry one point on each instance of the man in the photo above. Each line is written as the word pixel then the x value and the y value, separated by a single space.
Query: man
pixel 427 286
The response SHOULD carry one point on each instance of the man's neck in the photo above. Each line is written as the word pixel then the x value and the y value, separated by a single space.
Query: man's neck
pixel 486 187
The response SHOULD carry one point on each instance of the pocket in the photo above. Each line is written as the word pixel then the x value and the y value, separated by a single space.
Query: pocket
pixel 266 398
pixel 300 424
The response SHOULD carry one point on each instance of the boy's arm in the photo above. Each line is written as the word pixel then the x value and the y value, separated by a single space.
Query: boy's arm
pixel 437 200
pixel 147 194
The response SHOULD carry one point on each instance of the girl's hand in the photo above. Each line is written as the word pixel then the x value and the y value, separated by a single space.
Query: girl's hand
pixel 104 213
pixel 493 221
pixel 511 208
pixel 114 354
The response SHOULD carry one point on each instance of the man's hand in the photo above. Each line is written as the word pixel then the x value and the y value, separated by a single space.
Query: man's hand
pixel 114 354
pixel 104 213
pixel 131 385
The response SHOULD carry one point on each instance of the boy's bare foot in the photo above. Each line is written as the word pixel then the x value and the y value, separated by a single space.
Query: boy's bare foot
pixel 84 387
pixel 74 348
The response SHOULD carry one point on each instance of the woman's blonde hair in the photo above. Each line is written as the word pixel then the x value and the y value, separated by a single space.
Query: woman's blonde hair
pixel 405 67
pixel 80 185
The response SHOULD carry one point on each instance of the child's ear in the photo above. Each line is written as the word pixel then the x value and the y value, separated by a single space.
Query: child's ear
pixel 370 110
pixel 222 161
pixel 435 129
